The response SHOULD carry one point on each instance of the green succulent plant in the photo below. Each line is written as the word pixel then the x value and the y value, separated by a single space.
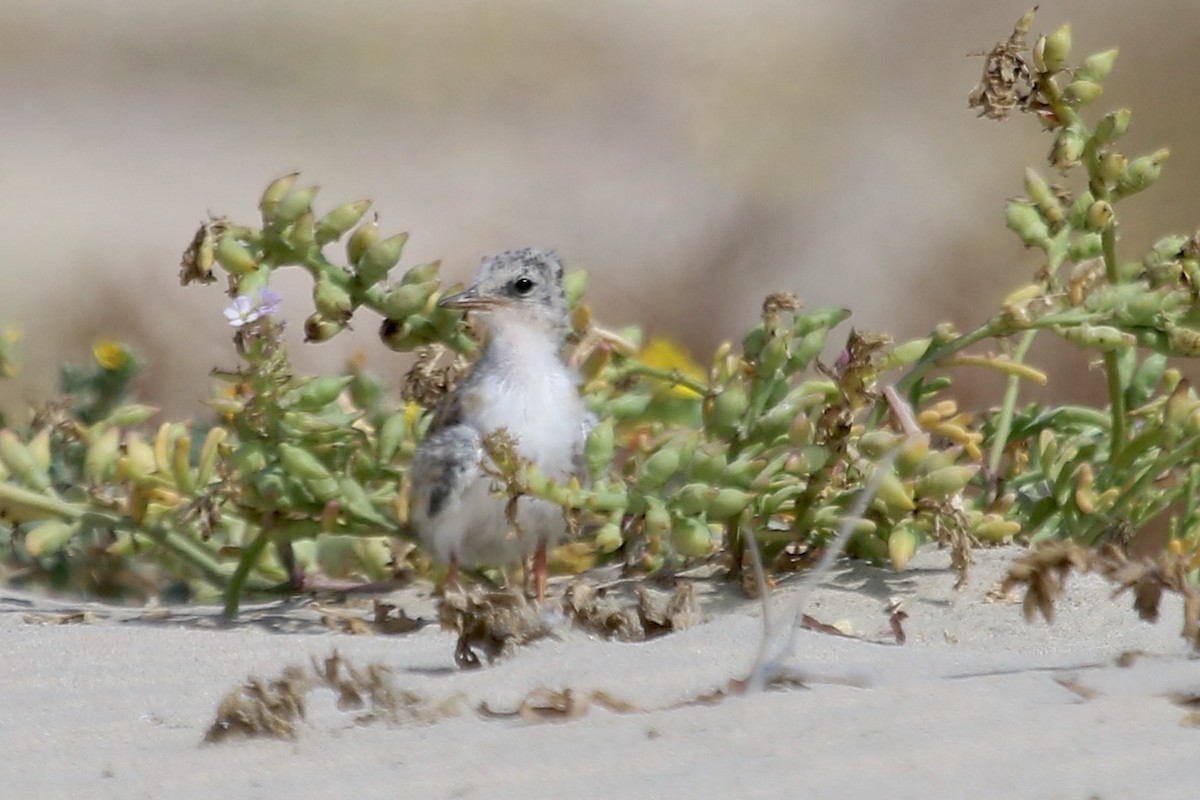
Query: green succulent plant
pixel 294 477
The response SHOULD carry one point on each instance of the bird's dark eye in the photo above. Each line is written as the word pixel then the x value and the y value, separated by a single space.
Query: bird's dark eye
pixel 523 286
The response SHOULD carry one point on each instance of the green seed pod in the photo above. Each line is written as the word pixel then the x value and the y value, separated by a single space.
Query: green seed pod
pixel 911 453
pixel 801 431
pixel 1081 93
pixel 50 537
pixel 1100 216
pixel 691 537
pixel 824 317
pixel 139 456
pixel 1183 341
pixel 776 421
pixel 608 538
pixel 353 498
pixel 40 449
pixel 865 545
pixel 1101 337
pixel 1039 191
pixel 598 450
pixel 754 341
pixel 811 458
pixel 657 519
pixel 658 469
pixel 902 544
pixel 876 444
pixel 209 450
pixel 300 463
pixel 181 467
pixel 361 240
pixel 224 406
pixel 391 434
pixel 374 556
pixel 379 259
pixel 1096 67
pixel 708 467
pixel 318 328
pixel 1068 148
pixel 130 415
pixel 303 422
pixel 994 528
pixel 275 192
pixel 1146 377
pixel 234 257
pixel 303 233
pixel 1147 308
pixel 575 284
pixel 336 223
pixel 1111 168
pixel 693 498
pixel 1056 49
pixel 422 273
pixel 399 335
pixel 1166 249
pixel 728 503
pixel 293 204
pixel 723 413
pixel 317 393
pixel 894 495
pixel 1112 126
pixel 323 489
pixel 743 471
pixel 406 299
pixel 1078 212
pixel 944 482
pixel 1143 172
pixel 906 353
pixel 332 301
pixel 807 348
pixel 20 462
pixel 607 502
pixel 774 356
pixel 248 459
pixel 1025 221
pixel 1047 453
pixel 1085 247
pixel 831 518
pixel 102 455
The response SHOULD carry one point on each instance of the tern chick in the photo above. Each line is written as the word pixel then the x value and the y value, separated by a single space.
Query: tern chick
pixel 520 384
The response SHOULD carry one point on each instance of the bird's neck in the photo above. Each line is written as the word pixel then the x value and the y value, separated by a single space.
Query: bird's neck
pixel 520 343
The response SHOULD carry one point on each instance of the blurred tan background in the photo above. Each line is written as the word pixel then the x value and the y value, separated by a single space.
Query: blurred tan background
pixel 693 155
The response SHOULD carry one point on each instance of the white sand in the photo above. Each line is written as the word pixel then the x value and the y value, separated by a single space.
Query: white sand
pixel 969 707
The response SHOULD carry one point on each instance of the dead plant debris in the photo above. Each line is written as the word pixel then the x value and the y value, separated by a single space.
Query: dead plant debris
pixel 261 708
pixel 386 620
pixel 275 708
pixel 68 618
pixel 495 622
pixel 1043 573
pixel 1007 83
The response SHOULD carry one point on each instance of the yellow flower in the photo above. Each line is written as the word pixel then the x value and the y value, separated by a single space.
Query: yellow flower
pixel 110 354
pixel 668 355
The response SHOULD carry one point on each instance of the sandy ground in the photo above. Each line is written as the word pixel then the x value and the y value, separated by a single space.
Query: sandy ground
pixel 973 705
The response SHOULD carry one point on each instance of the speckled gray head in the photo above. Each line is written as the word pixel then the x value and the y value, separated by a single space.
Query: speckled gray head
pixel 527 282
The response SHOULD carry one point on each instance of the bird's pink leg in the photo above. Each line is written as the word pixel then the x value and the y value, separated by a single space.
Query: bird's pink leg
pixel 452 574
pixel 539 572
